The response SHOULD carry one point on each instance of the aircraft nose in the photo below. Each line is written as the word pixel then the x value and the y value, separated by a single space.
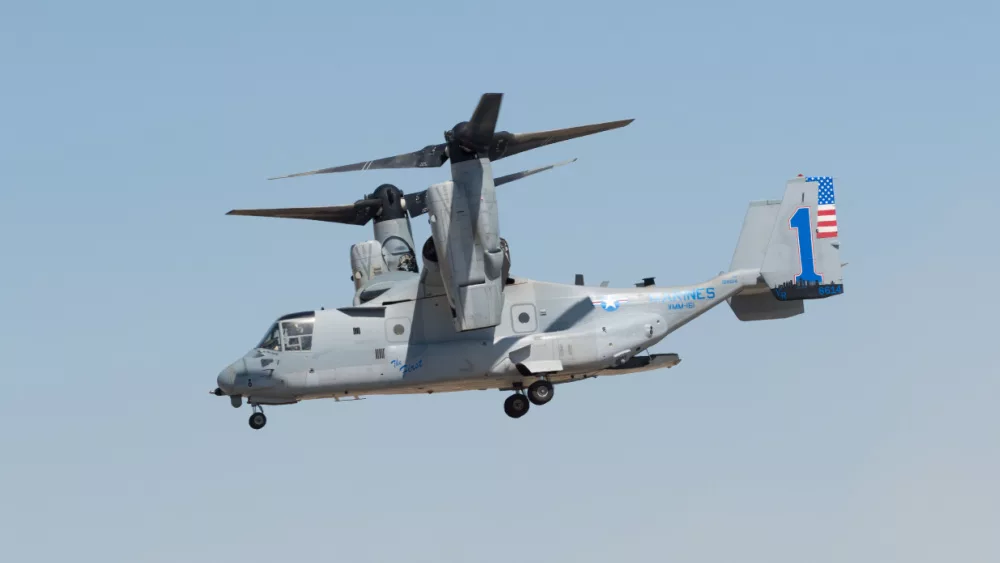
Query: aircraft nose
pixel 227 377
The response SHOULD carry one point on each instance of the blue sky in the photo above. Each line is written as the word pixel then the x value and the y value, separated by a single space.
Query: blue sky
pixel 865 430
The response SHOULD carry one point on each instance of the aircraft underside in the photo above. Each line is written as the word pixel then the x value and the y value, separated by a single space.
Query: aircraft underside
pixel 527 390
pixel 636 364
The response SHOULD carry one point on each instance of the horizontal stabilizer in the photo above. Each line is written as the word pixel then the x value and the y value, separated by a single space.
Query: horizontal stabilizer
pixel 763 307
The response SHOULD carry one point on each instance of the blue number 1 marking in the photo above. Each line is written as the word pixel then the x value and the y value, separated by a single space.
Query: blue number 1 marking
pixel 800 222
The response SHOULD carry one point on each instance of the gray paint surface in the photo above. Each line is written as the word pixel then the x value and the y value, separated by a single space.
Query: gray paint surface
pixel 405 339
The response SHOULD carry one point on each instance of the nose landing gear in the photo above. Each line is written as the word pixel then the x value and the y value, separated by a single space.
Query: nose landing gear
pixel 257 419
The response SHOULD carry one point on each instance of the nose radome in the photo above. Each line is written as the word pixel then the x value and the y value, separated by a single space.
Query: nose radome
pixel 227 377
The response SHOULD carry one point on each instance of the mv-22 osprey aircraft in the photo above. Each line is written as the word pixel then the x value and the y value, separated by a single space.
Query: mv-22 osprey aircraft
pixel 463 322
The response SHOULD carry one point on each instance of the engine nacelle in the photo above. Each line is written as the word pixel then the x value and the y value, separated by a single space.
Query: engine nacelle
pixel 431 276
pixel 367 262
pixel 397 244
pixel 505 268
pixel 472 280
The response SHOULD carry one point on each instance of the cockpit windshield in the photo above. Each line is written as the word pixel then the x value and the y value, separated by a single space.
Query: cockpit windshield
pixel 292 333
pixel 271 340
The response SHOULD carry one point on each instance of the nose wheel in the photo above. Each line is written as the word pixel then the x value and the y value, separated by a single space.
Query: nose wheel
pixel 257 419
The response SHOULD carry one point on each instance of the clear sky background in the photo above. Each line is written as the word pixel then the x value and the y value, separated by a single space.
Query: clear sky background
pixel 864 430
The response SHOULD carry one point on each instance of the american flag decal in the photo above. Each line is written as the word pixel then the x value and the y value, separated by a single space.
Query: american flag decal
pixel 826 211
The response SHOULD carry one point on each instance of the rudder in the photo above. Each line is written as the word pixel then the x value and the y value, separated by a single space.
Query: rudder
pixel 802 258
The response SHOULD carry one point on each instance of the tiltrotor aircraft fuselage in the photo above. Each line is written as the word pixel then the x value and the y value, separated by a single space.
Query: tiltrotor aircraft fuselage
pixel 464 322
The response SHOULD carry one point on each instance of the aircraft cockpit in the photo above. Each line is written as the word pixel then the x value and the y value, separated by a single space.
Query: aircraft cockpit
pixel 291 333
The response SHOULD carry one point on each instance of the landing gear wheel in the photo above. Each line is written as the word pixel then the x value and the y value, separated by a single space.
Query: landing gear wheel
pixel 540 392
pixel 257 420
pixel 516 405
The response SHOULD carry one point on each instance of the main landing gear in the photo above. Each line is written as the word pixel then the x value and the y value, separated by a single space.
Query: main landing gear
pixel 257 419
pixel 539 393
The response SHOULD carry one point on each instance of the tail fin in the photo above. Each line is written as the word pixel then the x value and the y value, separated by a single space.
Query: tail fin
pixel 795 245
pixel 803 256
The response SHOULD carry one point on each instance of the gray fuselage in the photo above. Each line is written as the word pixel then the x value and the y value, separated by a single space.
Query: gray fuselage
pixel 557 331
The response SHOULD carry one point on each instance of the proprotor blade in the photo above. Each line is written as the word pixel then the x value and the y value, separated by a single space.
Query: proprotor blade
pixel 356 214
pixel 484 118
pixel 431 156
pixel 525 173
pixel 507 144
pixel 416 203
pixel 478 136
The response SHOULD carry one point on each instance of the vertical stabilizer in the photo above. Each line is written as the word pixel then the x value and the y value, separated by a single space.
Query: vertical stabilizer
pixel 802 259
pixel 756 232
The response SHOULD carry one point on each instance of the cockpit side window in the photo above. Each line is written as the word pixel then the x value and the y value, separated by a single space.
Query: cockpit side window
pixel 297 334
pixel 271 340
